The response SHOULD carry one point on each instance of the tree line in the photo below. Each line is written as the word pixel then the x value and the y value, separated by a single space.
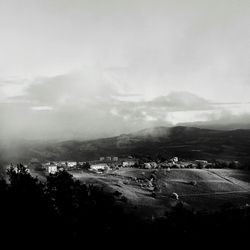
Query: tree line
pixel 62 209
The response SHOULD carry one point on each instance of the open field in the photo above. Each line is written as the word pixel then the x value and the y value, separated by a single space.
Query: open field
pixel 198 189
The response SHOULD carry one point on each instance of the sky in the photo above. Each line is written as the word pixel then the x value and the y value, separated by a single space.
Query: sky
pixel 76 69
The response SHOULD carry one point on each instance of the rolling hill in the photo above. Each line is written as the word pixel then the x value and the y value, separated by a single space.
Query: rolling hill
pixel 185 142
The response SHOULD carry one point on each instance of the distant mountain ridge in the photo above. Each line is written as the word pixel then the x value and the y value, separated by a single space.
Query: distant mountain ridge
pixel 186 142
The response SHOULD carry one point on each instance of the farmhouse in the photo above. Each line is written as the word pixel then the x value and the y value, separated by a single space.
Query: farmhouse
pixel 147 165
pixel 100 166
pixel 128 163
pixel 52 169
pixel 153 164
pixel 174 159
pixel 71 164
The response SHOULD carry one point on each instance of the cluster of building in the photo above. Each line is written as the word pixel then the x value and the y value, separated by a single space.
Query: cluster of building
pixel 174 162
pixel 109 158
pixel 54 166
pixel 103 163
pixel 106 163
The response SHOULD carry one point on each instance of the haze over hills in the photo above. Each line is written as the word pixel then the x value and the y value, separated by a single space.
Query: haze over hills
pixel 186 142
pixel 220 125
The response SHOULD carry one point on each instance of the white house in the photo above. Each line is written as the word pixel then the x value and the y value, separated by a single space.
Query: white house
pixel 100 166
pixel 52 169
pixel 174 159
pixel 147 165
pixel 128 163
pixel 71 164
pixel 153 164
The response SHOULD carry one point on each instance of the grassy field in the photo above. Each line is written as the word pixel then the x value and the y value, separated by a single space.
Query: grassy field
pixel 198 189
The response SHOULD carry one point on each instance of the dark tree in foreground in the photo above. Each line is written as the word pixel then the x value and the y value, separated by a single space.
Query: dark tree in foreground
pixel 62 209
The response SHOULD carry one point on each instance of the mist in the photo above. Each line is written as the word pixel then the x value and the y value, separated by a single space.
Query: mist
pixel 91 69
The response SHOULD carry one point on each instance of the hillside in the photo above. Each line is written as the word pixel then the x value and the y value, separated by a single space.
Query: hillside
pixel 186 142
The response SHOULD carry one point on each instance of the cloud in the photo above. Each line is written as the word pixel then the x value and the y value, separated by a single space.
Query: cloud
pixel 42 108
pixel 70 88
pixel 75 105
pixel 162 108
pixel 222 119
pixel 180 101
pixel 87 104
pixel 181 107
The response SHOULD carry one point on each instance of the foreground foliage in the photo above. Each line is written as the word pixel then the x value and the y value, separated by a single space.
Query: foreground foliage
pixel 63 209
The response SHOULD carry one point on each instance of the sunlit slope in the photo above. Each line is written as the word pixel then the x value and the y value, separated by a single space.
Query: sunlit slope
pixel 201 189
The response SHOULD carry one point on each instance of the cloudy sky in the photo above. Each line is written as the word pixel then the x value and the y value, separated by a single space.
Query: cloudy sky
pixel 86 69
